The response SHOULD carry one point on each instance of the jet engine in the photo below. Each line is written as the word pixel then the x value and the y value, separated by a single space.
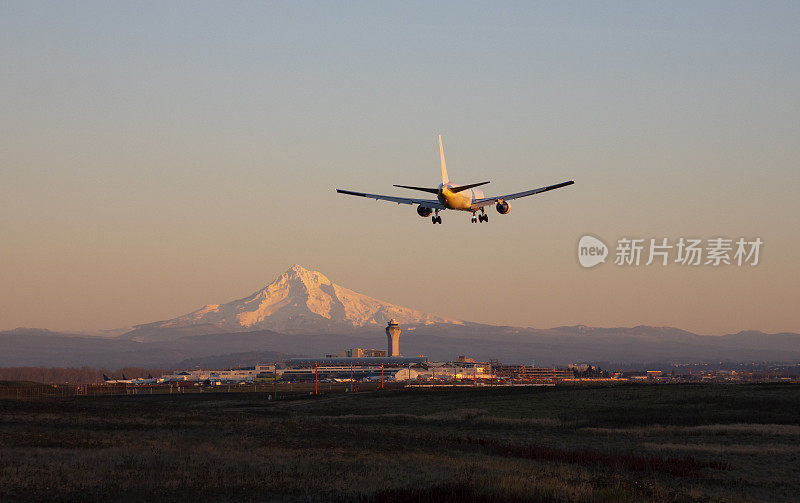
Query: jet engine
pixel 424 211
pixel 502 207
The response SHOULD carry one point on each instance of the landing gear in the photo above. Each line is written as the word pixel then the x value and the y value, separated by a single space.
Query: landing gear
pixel 474 219
pixel 483 218
pixel 436 219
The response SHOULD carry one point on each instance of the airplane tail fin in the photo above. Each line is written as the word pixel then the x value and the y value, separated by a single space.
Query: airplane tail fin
pixel 105 378
pixel 445 179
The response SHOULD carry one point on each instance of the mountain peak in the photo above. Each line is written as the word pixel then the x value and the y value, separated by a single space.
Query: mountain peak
pixel 297 269
pixel 308 277
pixel 300 301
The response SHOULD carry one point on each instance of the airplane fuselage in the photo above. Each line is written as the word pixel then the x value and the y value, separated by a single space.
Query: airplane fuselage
pixel 457 200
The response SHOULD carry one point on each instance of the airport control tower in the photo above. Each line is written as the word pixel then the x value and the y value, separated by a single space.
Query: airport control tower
pixel 393 334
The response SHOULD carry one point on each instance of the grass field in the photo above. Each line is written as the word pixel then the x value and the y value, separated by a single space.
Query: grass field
pixel 616 443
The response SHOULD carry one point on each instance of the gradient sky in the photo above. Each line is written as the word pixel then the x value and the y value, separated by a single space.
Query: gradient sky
pixel 155 157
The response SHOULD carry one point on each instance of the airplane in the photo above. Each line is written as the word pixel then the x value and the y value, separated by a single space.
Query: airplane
pixel 149 380
pixel 452 196
pixel 124 380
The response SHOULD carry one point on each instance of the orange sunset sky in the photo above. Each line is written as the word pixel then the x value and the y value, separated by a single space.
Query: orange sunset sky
pixel 156 158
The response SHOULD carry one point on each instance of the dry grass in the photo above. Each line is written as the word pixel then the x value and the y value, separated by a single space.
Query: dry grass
pixel 761 449
pixel 768 430
pixel 457 415
pixel 454 447
pixel 474 416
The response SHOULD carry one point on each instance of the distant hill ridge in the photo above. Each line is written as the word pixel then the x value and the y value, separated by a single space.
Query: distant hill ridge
pixel 559 345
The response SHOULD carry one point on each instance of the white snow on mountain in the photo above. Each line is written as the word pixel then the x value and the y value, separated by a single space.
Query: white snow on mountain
pixel 300 301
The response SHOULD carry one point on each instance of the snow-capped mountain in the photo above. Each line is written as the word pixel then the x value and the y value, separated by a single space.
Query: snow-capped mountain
pixel 299 301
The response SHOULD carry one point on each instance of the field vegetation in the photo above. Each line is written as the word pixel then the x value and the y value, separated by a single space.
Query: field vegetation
pixel 584 444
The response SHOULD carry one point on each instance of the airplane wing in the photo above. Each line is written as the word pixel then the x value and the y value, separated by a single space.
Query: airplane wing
pixel 428 203
pixel 480 203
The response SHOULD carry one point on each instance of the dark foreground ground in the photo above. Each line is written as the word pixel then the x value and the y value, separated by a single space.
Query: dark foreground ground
pixel 621 443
